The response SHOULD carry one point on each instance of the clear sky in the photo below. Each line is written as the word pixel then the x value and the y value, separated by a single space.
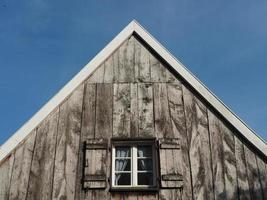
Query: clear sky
pixel 44 43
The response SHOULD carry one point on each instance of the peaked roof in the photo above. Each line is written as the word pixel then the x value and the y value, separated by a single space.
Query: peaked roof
pixel 133 27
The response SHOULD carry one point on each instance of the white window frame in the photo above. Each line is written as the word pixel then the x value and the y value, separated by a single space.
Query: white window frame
pixel 134 163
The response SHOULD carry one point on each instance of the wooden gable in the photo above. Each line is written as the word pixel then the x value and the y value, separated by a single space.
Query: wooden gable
pixel 134 93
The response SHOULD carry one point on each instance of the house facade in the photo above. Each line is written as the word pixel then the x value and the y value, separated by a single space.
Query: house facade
pixel 134 124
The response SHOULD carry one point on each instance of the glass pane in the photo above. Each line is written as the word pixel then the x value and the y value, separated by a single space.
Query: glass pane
pixel 145 164
pixel 123 179
pixel 144 151
pixel 123 165
pixel 145 179
pixel 123 151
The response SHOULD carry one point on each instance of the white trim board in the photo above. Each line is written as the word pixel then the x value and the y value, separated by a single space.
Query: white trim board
pixel 132 27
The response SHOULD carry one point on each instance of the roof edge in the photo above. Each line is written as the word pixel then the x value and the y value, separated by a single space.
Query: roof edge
pixel 89 68
pixel 133 26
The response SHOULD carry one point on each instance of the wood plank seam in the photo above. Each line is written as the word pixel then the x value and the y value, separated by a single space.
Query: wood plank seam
pixel 212 175
pixel 187 139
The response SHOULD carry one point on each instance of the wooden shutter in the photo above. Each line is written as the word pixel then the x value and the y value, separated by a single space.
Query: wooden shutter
pixel 170 169
pixel 95 164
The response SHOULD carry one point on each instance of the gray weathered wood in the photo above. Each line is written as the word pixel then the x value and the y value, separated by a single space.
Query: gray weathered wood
pixel 104 99
pixel 242 178
pixel 123 59
pixel 5 173
pixel 67 148
pixel 142 63
pixel 98 75
pixel 109 70
pixel 121 110
pixel 134 110
pixel 230 174
pixel 21 169
pixel 253 175
pixel 158 71
pixel 42 168
pixel 199 146
pixel 179 131
pixel 163 126
pixel 145 110
pixel 87 132
pixel 104 106
pixel 263 176
pixel 216 139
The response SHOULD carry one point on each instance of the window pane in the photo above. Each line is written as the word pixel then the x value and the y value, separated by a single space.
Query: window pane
pixel 123 151
pixel 123 179
pixel 123 165
pixel 145 179
pixel 145 164
pixel 144 151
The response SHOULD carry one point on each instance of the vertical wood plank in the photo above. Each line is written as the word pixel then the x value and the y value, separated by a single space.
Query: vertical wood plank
pixel 104 106
pixel 134 110
pixel 124 58
pixel 163 126
pixel 121 110
pixel 216 138
pixel 175 102
pixel 142 63
pixel 21 169
pixel 67 148
pixel 229 164
pixel 253 175
pixel 104 101
pixel 145 110
pixel 158 71
pixel 41 173
pixel 98 75
pixel 263 177
pixel 87 132
pixel 108 70
pixel 5 174
pixel 197 127
pixel 242 178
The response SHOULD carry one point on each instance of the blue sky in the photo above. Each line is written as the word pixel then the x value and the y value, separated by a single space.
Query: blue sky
pixel 44 43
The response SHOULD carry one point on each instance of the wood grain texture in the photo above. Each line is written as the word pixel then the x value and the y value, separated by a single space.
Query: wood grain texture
pixel 263 176
pixel 98 75
pixel 253 175
pixel 123 62
pixel 134 122
pixel 242 177
pixel 104 101
pixel 5 174
pixel 199 146
pixel 142 63
pixel 109 70
pixel 121 110
pixel 230 171
pixel 42 168
pixel 67 147
pixel 158 71
pixel 175 101
pixel 87 132
pixel 21 169
pixel 145 110
pixel 217 155
pixel 163 126
pixel 103 130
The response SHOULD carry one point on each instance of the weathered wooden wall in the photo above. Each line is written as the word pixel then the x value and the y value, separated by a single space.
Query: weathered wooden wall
pixel 133 94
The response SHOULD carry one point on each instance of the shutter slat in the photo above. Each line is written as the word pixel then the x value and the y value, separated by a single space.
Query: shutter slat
pixel 94 176
pixel 170 169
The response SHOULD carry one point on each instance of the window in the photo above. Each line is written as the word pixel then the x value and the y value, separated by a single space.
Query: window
pixel 134 164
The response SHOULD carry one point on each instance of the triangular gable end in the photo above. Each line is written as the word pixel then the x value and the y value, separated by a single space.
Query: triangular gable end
pixel 132 28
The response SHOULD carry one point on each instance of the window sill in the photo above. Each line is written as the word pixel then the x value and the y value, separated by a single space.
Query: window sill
pixel 134 189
